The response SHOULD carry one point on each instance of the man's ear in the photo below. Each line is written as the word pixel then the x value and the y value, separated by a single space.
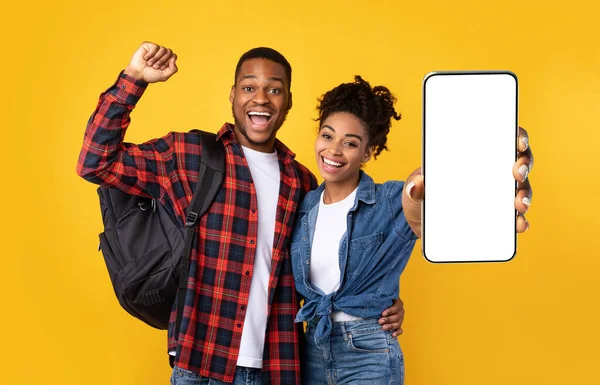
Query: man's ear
pixel 290 101
pixel 231 94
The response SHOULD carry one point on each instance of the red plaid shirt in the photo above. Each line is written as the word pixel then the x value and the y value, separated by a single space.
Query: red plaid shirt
pixel 222 257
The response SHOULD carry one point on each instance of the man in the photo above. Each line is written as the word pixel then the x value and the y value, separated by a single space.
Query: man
pixel 238 321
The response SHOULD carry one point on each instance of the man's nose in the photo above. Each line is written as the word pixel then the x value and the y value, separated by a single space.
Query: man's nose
pixel 260 97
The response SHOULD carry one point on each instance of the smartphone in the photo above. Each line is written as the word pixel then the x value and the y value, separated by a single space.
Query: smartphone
pixel 470 134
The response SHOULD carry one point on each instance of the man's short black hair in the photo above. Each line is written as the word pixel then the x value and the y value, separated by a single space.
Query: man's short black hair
pixel 269 54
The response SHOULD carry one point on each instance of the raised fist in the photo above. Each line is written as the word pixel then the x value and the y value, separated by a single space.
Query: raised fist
pixel 152 63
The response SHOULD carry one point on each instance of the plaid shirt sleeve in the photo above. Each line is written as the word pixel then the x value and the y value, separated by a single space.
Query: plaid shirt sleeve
pixel 106 160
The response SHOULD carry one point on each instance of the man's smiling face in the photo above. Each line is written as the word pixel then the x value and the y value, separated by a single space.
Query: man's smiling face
pixel 260 101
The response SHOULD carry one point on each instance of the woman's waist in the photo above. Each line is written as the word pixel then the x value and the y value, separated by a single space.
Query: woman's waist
pixel 340 316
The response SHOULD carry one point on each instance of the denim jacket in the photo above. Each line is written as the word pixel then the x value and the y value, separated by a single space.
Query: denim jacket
pixel 373 252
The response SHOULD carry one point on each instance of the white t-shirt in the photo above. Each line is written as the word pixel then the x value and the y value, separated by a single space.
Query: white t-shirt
pixel 264 168
pixel 324 256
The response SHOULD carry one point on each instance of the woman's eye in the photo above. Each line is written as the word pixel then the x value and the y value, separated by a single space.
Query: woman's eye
pixel 275 91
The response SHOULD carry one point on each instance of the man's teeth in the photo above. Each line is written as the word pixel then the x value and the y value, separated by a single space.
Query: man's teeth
pixel 259 113
pixel 332 163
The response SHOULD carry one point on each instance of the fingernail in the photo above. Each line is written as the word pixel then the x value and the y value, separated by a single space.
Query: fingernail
pixel 526 225
pixel 524 170
pixel 526 201
pixel 409 188
pixel 525 141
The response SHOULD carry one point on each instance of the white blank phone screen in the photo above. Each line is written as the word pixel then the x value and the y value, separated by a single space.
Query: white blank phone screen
pixel 469 133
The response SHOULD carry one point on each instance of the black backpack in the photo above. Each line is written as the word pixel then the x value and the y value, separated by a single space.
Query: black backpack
pixel 145 249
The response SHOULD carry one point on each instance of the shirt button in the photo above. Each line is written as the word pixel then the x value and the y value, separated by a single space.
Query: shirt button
pixel 239 325
pixel 243 307
pixel 252 241
pixel 304 238
pixel 253 211
pixel 307 262
pixel 247 273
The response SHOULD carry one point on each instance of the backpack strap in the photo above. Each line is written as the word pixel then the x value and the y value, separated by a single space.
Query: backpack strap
pixel 210 178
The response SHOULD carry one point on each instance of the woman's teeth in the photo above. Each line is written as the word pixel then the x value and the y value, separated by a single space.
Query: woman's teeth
pixel 332 163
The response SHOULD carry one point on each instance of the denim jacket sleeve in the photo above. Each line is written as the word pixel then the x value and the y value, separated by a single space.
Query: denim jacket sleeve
pixel 393 197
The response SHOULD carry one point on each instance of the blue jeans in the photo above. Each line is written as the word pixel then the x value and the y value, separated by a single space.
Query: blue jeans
pixel 243 376
pixel 358 352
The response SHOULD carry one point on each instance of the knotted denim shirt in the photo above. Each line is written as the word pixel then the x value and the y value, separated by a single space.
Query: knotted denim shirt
pixel 373 253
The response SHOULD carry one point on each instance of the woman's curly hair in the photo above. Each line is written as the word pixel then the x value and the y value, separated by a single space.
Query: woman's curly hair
pixel 373 106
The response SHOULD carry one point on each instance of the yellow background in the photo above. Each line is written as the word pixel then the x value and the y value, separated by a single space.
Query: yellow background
pixel 534 320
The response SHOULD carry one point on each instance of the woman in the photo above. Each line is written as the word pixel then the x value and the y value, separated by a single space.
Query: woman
pixel 358 228
pixel 352 240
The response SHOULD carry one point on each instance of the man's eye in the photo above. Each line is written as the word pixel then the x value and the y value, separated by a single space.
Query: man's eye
pixel 247 89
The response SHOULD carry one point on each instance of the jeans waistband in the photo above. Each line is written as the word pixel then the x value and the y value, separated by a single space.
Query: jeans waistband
pixel 341 328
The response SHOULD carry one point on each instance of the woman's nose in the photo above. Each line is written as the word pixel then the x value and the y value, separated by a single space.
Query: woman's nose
pixel 334 150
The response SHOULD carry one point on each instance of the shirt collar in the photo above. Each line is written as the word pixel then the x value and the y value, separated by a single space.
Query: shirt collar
pixel 366 189
pixel 365 193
